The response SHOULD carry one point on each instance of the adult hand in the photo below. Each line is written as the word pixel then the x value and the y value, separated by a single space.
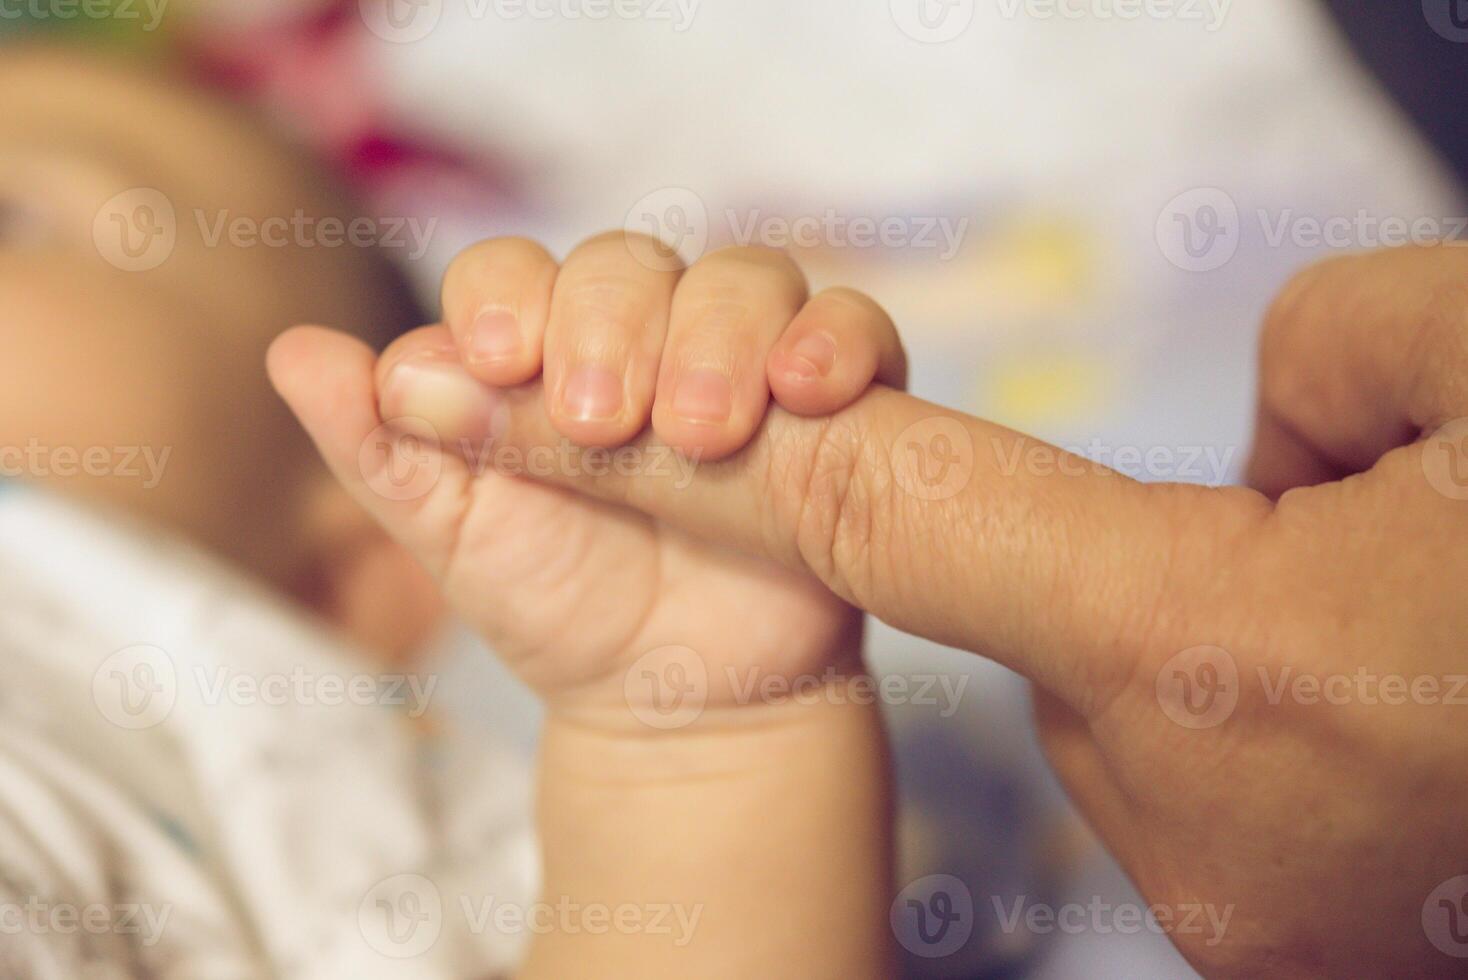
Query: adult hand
pixel 1255 695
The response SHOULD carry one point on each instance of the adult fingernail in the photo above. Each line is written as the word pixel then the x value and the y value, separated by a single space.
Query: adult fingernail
pixel 592 393
pixel 703 395
pixel 813 356
pixel 494 336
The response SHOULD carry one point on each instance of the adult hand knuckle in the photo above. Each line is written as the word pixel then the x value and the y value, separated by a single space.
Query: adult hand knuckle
pixel 843 505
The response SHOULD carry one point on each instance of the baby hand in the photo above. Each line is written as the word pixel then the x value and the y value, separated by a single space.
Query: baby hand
pixel 590 603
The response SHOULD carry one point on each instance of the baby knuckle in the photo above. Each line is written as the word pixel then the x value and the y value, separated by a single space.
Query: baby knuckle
pixel 629 249
pixel 610 240
pixel 607 298
pixel 483 261
pixel 749 268
pixel 844 298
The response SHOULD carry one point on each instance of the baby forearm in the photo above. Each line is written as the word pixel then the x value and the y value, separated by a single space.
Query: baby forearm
pixel 753 843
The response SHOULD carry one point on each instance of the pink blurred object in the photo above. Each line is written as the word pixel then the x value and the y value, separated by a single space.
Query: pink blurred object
pixel 308 66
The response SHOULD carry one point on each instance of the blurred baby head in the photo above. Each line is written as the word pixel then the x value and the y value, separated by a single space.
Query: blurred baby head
pixel 136 320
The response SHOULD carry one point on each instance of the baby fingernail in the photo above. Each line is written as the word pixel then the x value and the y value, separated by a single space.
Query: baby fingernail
pixel 592 393
pixel 703 395
pixel 494 336
pixel 813 356
pixel 438 398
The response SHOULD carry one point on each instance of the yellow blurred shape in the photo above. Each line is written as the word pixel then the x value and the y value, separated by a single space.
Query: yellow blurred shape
pixel 1046 258
pixel 1033 389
